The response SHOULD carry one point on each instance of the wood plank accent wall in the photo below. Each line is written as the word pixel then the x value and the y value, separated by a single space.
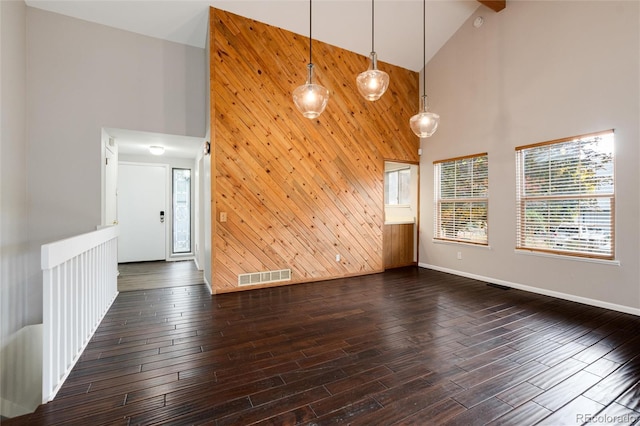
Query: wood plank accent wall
pixel 298 191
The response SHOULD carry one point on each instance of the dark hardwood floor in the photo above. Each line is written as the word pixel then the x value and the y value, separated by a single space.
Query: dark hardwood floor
pixel 409 346
pixel 159 274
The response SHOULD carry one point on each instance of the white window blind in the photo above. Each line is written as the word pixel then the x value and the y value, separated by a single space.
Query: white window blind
pixel 565 196
pixel 462 199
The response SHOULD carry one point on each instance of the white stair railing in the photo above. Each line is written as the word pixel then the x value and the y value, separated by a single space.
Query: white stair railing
pixel 80 284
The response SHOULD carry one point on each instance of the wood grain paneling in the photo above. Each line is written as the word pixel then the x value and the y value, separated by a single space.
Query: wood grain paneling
pixel 298 191
pixel 398 245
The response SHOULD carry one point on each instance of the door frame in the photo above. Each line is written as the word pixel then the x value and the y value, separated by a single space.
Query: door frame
pixel 168 211
pixel 416 242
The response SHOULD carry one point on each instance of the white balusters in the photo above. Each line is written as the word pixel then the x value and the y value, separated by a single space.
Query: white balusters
pixel 80 284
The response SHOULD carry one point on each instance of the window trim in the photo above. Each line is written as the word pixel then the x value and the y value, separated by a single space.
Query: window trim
pixel 438 202
pixel 521 200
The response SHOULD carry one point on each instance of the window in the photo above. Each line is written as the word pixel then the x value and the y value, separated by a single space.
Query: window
pixel 565 196
pixel 181 211
pixel 397 187
pixel 461 199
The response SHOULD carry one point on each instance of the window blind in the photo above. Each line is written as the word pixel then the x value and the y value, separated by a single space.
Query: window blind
pixel 461 199
pixel 565 196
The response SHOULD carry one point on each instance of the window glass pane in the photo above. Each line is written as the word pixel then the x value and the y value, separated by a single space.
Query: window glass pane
pixel 447 180
pixel 480 177
pixel 392 194
pixel 404 186
pixel 566 196
pixel 397 187
pixel 463 179
pixel 181 211
pixel 461 199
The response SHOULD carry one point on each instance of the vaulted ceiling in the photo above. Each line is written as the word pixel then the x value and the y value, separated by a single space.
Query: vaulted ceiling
pixel 343 23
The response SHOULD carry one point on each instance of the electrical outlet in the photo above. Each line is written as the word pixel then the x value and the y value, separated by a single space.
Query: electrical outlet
pixel 459 255
pixel 223 216
pixel 338 257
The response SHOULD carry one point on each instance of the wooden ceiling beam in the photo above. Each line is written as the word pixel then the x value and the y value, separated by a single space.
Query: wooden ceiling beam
pixel 496 5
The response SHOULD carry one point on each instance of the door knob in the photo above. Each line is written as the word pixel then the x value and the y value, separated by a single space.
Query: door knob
pixel 161 216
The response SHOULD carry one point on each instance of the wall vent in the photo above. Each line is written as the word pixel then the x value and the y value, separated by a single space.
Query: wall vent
pixel 264 277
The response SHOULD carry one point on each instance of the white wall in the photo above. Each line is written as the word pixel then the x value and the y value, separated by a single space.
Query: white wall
pixel 82 77
pixel 16 309
pixel 534 72
pixel 62 81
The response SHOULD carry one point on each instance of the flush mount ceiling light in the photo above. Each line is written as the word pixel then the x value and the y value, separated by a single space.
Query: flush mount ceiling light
pixel 425 123
pixel 372 83
pixel 311 99
pixel 156 150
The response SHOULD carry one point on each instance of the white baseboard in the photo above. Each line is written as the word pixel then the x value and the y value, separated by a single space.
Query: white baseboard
pixel 545 292
pixel 206 282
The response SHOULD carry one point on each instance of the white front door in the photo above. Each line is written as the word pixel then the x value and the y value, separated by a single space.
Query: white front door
pixel 142 212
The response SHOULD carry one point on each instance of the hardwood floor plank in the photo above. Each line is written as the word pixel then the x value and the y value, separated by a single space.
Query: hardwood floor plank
pixel 558 373
pixel 352 411
pixel 339 401
pixel 274 407
pixel 493 387
pixel 409 404
pixel 578 411
pixel 615 413
pixel 408 346
pixel 631 398
pixel 526 414
pixel 480 414
pixel 487 372
pixel 520 394
pixel 616 383
pixel 567 390
pixel 434 414
pixel 602 367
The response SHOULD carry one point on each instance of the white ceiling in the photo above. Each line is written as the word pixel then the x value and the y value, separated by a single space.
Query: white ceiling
pixel 137 143
pixel 342 23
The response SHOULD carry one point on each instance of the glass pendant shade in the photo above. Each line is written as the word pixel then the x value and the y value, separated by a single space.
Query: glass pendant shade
pixel 372 83
pixel 310 99
pixel 425 123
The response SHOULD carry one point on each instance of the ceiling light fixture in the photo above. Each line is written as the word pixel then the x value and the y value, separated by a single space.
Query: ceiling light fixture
pixel 156 150
pixel 425 123
pixel 372 83
pixel 311 99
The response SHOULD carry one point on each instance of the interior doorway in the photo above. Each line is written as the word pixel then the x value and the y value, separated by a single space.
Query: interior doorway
pixel 401 213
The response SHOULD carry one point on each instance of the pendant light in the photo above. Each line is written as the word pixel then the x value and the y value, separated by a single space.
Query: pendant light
pixel 311 99
pixel 425 123
pixel 372 83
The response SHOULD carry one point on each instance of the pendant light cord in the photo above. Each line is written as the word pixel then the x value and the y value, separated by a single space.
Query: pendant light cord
pixel 372 25
pixel 310 37
pixel 424 47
